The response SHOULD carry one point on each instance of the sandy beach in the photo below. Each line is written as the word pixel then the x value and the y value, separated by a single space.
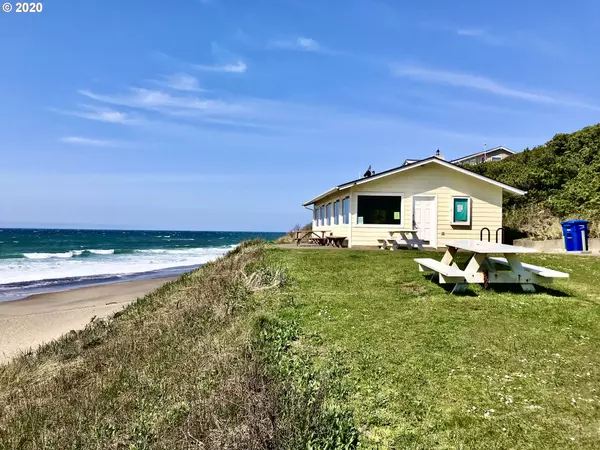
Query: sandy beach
pixel 40 318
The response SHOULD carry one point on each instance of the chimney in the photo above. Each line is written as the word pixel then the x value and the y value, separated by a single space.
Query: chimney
pixel 437 154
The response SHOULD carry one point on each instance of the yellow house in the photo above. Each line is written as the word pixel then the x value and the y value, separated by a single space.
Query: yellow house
pixel 440 200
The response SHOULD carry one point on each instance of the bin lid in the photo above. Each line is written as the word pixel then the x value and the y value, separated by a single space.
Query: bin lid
pixel 575 222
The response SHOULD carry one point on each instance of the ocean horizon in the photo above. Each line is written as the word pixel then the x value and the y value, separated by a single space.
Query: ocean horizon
pixel 40 260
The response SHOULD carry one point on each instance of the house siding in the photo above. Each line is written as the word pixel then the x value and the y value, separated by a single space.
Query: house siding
pixel 434 180
pixel 334 230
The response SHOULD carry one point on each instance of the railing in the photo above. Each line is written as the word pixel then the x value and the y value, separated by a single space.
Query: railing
pixel 489 235
pixel 503 235
pixel 488 232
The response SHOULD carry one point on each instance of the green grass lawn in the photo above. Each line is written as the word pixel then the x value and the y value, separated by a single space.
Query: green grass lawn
pixel 493 369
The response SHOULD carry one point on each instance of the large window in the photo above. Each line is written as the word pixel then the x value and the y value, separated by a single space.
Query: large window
pixel 346 210
pixel 316 216
pixel 328 213
pixel 461 210
pixel 379 210
pixel 336 212
pixel 322 215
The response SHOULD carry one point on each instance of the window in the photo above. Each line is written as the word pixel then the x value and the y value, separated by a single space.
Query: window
pixel 496 158
pixel 316 216
pixel 461 210
pixel 336 212
pixel 322 215
pixel 328 213
pixel 346 210
pixel 379 210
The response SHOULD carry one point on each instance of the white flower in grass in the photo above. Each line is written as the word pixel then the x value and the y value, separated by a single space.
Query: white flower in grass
pixel 572 438
pixel 488 412
pixel 573 401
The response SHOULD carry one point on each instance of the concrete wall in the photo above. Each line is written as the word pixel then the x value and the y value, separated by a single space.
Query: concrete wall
pixel 554 245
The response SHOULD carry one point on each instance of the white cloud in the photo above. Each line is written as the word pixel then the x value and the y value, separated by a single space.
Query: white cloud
pixel 300 43
pixel 483 84
pixel 484 36
pixel 181 82
pixel 470 31
pixel 101 114
pixel 515 39
pixel 237 67
pixel 161 101
pixel 78 140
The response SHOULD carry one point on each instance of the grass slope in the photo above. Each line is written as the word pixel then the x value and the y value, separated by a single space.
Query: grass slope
pixel 496 369
pixel 200 363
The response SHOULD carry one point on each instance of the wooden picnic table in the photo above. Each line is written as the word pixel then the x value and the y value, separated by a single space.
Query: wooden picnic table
pixel 312 237
pixel 406 237
pixel 483 268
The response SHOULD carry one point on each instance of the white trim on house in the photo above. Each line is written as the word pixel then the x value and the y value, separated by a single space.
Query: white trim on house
pixel 432 160
pixel 381 194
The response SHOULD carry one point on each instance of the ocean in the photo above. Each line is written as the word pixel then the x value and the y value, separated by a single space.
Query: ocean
pixel 39 261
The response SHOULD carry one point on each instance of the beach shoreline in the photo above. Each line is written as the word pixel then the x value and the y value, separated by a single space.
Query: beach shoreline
pixel 26 323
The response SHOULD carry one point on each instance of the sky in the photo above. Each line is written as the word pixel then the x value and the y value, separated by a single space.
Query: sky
pixel 229 114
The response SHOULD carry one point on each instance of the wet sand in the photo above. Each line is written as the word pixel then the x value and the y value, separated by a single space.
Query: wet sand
pixel 26 323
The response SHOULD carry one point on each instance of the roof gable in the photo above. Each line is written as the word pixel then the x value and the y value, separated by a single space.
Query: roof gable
pixel 423 162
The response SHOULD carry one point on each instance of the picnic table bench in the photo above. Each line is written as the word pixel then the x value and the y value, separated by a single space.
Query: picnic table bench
pixel 406 237
pixel 336 241
pixel 486 269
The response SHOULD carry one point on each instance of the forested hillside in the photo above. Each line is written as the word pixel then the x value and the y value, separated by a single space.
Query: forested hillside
pixel 562 178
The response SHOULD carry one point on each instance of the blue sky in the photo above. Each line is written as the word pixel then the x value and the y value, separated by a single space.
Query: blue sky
pixel 228 114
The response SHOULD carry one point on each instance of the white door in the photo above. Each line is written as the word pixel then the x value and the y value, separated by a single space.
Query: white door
pixel 425 219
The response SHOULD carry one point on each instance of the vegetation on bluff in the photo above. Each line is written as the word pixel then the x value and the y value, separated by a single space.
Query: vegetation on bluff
pixel 562 178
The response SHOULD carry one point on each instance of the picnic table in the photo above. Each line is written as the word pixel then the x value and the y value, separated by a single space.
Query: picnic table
pixel 406 237
pixel 486 269
pixel 313 237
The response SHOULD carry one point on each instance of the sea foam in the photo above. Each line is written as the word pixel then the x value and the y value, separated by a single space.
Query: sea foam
pixel 52 266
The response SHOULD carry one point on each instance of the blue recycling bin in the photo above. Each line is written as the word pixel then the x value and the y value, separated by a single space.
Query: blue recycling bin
pixel 575 233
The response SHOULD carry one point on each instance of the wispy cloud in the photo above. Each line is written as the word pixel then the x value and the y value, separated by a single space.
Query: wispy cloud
pixel 483 84
pixel 301 43
pixel 78 140
pixel 237 67
pixel 162 101
pixel 180 82
pixel 100 114
pixel 225 61
pixel 483 35
pixel 515 39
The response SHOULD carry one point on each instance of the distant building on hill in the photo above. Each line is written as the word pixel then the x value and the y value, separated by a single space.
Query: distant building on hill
pixel 493 154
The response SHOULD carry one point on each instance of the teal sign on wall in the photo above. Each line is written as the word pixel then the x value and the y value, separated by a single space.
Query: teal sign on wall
pixel 461 210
